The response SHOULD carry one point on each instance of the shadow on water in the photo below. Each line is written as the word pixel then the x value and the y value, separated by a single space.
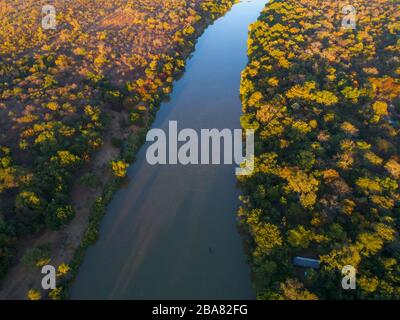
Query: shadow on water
pixel 171 233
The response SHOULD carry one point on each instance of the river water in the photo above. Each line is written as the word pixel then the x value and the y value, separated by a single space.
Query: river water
pixel 171 233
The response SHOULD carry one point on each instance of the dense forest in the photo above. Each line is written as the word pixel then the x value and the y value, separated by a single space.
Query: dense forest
pixel 59 87
pixel 324 101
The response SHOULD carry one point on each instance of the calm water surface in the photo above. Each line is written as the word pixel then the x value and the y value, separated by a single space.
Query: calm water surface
pixel 171 233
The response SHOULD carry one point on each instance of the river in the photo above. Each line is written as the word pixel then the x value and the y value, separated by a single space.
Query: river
pixel 171 233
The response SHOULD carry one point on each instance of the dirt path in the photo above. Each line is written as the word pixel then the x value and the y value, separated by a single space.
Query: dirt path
pixel 65 241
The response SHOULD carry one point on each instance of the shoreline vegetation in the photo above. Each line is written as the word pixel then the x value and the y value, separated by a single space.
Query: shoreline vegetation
pixel 119 125
pixel 99 208
pixel 325 104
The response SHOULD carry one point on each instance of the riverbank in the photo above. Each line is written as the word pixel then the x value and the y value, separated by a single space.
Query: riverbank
pixel 323 200
pixel 68 245
pixel 171 231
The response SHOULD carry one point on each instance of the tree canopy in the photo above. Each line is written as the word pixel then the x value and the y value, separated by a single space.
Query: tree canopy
pixel 325 104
